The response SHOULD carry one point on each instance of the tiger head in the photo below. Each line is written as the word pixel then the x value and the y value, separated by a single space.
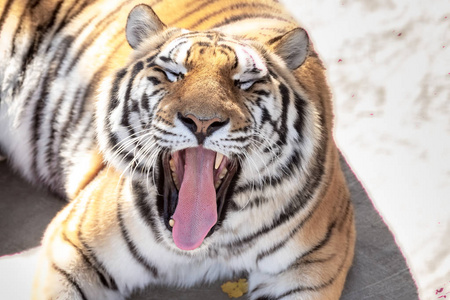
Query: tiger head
pixel 196 114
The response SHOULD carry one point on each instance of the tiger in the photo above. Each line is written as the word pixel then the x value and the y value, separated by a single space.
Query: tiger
pixel 192 140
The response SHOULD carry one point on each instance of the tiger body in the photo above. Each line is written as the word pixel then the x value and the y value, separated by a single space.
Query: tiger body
pixel 99 123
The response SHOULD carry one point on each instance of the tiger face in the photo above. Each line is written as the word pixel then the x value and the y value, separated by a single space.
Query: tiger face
pixel 195 114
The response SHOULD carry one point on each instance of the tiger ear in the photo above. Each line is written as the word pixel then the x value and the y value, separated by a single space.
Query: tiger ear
pixel 142 23
pixel 292 47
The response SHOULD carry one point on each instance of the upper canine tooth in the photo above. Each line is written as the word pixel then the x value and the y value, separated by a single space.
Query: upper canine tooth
pixel 219 158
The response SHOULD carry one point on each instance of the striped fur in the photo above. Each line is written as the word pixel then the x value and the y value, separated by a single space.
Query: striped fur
pixel 91 118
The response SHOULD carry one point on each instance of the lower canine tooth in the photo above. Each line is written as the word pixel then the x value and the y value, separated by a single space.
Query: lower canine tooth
pixel 175 179
pixel 171 222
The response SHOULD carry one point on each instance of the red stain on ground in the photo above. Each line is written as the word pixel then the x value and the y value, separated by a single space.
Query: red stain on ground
pixel 400 34
pixel 439 291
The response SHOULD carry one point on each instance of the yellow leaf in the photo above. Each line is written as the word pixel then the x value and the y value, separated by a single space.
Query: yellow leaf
pixel 235 289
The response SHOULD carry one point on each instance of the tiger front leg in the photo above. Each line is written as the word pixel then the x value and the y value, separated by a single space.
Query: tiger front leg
pixel 67 269
pixel 317 273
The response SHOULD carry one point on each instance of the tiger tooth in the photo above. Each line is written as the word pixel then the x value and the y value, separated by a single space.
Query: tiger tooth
pixel 219 158
pixel 223 173
pixel 172 165
pixel 175 179
pixel 171 222
pixel 218 182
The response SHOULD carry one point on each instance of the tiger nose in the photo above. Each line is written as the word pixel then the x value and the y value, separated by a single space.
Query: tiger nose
pixel 202 127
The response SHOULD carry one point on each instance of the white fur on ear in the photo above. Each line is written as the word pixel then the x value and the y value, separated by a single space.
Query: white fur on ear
pixel 141 24
pixel 292 47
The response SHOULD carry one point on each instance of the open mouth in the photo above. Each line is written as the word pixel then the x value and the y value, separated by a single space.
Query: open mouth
pixel 196 181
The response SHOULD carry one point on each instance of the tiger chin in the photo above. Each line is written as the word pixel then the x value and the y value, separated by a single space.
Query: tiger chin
pixel 201 150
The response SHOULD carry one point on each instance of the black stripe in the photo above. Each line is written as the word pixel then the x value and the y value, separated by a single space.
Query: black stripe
pixel 153 80
pixel 17 33
pixel 145 210
pixel 76 110
pixel 165 132
pixel 111 284
pixel 316 178
pixel 131 245
pixel 316 288
pixel 322 243
pixel 319 260
pixel 43 97
pixel 139 66
pixel 145 102
pixel 157 69
pixel 43 31
pixel 48 152
pixel 5 13
pixel 306 194
pixel 325 284
pixel 68 17
pixel 289 169
pixel 229 9
pixel 166 59
pixel 231 50
pixel 193 9
pixel 93 35
pixel 300 106
pixel 245 16
pixel 55 234
pixel 262 93
pixel 114 101
pixel 151 59
pixel 134 107
pixel 298 202
pixel 175 48
pixel 285 100
pixel 34 3
pixel 55 13
pixel 188 60
pixel 70 279
pixel 128 157
pixel 88 249
pixel 87 130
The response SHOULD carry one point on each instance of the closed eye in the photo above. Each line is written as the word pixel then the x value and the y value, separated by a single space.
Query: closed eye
pixel 244 85
pixel 172 76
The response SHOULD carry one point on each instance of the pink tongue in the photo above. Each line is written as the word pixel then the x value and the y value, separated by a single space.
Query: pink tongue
pixel 196 211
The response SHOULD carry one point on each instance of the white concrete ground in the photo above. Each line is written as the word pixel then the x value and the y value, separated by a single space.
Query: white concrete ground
pixel 388 64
